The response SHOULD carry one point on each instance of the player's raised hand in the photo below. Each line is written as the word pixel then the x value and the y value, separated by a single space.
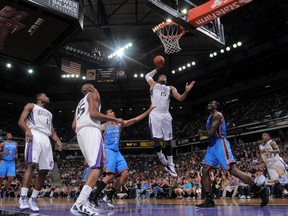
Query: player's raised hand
pixel 188 86
pixel 158 67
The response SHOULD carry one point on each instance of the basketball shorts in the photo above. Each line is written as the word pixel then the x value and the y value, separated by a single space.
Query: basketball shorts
pixel 160 125
pixel 115 162
pixel 39 150
pixel 87 170
pixel 91 145
pixel 7 168
pixel 219 154
pixel 274 169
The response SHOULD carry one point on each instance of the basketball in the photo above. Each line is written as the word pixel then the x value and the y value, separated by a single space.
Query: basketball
pixel 159 60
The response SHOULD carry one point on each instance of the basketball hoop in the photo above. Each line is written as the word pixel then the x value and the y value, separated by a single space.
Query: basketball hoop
pixel 169 34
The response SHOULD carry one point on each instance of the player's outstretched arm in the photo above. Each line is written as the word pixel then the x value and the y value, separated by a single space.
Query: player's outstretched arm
pixel 95 114
pixel 22 120
pixel 215 122
pixel 149 77
pixel 181 97
pixel 137 118
pixel 74 123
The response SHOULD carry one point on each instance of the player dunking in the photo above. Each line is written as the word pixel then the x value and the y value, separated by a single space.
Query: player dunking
pixel 115 163
pixel 270 155
pixel 219 154
pixel 8 151
pixel 160 120
pixel 36 122
pixel 86 123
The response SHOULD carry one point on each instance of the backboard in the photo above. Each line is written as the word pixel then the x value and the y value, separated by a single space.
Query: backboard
pixel 213 32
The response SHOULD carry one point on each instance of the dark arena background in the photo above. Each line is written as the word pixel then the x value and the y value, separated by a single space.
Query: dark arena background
pixel 240 60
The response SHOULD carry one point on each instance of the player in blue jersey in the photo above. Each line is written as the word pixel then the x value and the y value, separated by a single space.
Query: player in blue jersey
pixel 8 155
pixel 219 154
pixel 115 163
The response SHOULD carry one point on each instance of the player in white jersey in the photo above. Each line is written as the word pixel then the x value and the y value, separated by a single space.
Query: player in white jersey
pixel 270 155
pixel 160 120
pixel 36 122
pixel 86 123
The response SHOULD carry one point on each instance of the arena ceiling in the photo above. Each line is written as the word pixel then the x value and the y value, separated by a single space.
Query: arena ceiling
pixel 261 26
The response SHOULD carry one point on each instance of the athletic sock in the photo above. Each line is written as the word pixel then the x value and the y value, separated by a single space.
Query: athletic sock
pixel 111 193
pixel 24 191
pixel 84 194
pixel 98 191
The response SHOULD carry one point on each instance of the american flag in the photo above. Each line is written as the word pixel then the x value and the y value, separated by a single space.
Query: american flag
pixel 70 67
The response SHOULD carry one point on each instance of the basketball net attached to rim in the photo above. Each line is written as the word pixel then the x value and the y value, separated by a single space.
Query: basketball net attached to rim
pixel 169 33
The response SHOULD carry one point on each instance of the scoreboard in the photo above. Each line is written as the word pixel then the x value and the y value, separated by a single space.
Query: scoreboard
pixel 106 75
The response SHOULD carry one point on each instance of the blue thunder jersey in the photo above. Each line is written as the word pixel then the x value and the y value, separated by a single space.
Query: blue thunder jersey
pixel 9 147
pixel 220 133
pixel 112 137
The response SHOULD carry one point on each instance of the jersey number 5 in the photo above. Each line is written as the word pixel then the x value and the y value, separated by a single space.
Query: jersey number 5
pixel 163 93
pixel 80 110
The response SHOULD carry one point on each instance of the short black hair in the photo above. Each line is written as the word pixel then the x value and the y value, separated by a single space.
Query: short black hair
pixel 106 110
pixel 38 95
pixel 218 105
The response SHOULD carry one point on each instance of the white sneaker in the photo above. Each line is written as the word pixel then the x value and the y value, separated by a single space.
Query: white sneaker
pixel 33 205
pixel 23 203
pixel 243 197
pixel 108 201
pixel 248 197
pixel 163 161
pixel 171 170
pixel 85 208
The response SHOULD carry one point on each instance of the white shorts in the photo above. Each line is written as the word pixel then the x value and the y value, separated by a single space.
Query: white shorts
pixel 274 169
pixel 160 125
pixel 39 150
pixel 91 145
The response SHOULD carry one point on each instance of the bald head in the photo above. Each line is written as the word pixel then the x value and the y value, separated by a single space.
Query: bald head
pixel 86 88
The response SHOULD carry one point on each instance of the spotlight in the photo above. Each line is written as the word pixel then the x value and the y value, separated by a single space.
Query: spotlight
pixel 184 11
pixel 180 69
pixel 83 77
pixel 234 45
pixel 228 48
pixel 211 55
pixel 8 65
pixel 141 75
pixel 120 52
pixel 193 63
pixel 183 67
pixel 222 51
pixel 135 75
pixel 77 76
pixel 72 75
pixel 130 44
pixel 30 71
pixel 173 71
pixel 239 43
pixel 188 65
pixel 215 53
pixel 168 20
pixel 68 76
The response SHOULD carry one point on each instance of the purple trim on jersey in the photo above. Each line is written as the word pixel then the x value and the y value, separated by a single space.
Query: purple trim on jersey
pixel 99 156
pixel 29 151
pixel 31 117
pixel 151 92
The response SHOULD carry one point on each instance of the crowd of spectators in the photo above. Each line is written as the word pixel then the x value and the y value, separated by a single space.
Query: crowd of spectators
pixel 147 178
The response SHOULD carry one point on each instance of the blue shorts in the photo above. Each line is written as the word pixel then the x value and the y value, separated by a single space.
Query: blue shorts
pixel 219 154
pixel 7 168
pixel 115 162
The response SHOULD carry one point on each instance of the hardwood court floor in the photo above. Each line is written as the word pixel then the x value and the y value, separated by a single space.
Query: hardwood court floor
pixel 157 207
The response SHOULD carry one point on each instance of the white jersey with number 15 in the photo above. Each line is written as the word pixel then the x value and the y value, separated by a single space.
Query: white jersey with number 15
pixel 83 118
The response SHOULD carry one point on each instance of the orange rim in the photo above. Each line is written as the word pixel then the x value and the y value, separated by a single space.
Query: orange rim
pixel 162 25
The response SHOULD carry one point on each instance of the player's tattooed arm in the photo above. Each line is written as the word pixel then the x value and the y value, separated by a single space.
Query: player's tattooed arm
pixel 215 122
pixel 275 147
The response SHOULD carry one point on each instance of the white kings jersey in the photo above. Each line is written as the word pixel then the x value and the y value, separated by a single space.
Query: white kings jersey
pixel 271 157
pixel 83 118
pixel 40 119
pixel 160 98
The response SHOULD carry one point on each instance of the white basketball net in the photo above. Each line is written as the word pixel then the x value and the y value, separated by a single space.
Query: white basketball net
pixel 169 34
